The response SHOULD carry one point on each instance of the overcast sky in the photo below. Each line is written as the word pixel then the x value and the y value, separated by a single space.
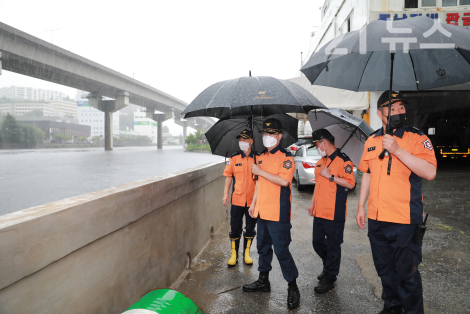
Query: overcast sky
pixel 179 47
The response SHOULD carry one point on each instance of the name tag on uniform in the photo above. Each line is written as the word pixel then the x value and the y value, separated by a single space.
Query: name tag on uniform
pixel 318 166
pixel 259 162
pixel 238 164
pixel 371 149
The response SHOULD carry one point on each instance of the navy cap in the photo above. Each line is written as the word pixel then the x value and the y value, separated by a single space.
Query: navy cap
pixel 272 126
pixel 383 99
pixel 246 134
pixel 319 135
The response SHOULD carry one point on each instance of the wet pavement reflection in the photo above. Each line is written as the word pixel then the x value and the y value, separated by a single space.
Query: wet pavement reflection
pixel 445 269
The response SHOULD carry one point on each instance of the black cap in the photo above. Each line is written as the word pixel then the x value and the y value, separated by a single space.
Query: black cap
pixel 320 134
pixel 383 99
pixel 272 126
pixel 246 134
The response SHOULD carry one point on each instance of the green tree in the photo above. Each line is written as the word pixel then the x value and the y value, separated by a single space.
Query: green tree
pixel 190 139
pixel 166 129
pixel 82 139
pixel 97 140
pixel 10 132
pixel 62 137
pixel 31 136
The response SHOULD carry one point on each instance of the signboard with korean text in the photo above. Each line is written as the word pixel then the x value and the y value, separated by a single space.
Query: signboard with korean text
pixel 459 17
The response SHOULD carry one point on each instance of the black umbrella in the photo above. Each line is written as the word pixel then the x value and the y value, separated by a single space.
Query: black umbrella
pixel 413 54
pixel 246 96
pixel 438 55
pixel 257 96
pixel 222 135
pixel 349 131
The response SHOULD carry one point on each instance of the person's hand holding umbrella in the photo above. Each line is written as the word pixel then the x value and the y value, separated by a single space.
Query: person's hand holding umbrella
pixel 325 172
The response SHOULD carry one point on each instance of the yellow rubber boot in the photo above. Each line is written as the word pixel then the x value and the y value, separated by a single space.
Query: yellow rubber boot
pixel 234 258
pixel 246 250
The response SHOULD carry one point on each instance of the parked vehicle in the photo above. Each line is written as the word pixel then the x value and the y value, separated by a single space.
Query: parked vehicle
pixel 305 159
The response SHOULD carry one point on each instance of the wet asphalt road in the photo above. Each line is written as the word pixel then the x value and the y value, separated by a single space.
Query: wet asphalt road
pixel 32 177
pixel 445 269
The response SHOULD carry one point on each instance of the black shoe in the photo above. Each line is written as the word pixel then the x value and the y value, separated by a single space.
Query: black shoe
pixel 325 284
pixel 293 296
pixel 262 284
pixel 319 277
pixel 392 310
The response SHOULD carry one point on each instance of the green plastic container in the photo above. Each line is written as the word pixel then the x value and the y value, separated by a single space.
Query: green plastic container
pixel 164 301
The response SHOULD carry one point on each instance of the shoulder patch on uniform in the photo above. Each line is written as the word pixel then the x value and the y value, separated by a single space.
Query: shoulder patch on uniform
pixel 287 164
pixel 348 169
pixel 371 149
pixel 427 144
pixel 345 157
pixel 285 151
pixel 228 162
pixel 414 130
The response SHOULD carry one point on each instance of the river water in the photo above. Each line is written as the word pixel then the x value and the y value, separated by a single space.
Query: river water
pixel 34 177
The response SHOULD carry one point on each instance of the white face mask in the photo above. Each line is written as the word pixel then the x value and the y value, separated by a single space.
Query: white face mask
pixel 269 141
pixel 321 152
pixel 244 146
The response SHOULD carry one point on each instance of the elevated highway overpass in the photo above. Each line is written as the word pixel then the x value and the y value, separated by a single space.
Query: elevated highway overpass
pixel 25 54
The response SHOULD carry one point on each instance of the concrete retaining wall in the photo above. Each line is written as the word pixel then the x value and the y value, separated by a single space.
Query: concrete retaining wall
pixel 100 252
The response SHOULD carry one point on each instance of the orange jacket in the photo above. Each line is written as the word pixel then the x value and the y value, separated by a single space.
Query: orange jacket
pixel 396 197
pixel 239 167
pixel 273 202
pixel 330 198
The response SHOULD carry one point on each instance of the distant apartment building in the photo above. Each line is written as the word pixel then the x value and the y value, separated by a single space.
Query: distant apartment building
pixel 64 108
pixel 20 108
pixel 30 93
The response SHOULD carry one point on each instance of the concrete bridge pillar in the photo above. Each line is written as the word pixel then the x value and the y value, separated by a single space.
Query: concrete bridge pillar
pixel 185 130
pixel 95 99
pixel 160 118
pixel 108 130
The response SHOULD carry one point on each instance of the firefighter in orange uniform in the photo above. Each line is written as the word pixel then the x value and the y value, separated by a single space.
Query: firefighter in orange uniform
pixel 238 170
pixel 334 177
pixel 395 207
pixel 272 204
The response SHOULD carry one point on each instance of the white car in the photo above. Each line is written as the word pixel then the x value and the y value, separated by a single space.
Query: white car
pixel 305 159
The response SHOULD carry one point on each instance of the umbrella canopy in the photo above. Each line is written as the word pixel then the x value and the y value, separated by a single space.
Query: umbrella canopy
pixel 257 95
pixel 222 135
pixel 350 132
pixel 438 55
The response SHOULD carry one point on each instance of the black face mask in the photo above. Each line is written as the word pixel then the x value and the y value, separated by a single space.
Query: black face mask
pixel 397 120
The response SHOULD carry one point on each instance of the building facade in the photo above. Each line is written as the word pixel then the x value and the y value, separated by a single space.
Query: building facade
pixel 64 108
pixel 145 126
pixel 91 116
pixel 30 93
pixel 19 108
